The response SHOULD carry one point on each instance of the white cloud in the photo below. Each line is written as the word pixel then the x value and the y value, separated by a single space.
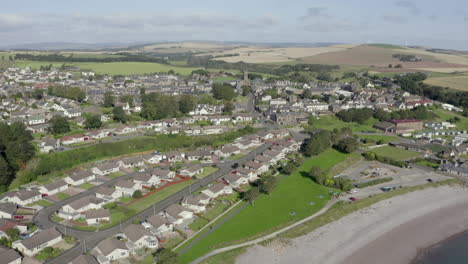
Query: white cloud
pixel 314 12
pixel 410 6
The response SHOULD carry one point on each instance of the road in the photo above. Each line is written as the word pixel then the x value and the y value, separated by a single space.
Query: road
pixel 89 239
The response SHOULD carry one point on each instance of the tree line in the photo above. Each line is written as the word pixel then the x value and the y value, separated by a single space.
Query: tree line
pixel 69 92
pixel 362 115
pixel 122 57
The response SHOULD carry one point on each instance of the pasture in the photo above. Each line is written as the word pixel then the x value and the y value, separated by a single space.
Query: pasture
pixel 455 82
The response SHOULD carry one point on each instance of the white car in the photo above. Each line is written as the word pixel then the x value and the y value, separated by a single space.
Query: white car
pixel 353 190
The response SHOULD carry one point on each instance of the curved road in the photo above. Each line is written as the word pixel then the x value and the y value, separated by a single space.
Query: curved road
pixel 89 239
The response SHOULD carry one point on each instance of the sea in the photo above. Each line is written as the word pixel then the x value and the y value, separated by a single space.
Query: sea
pixel 451 251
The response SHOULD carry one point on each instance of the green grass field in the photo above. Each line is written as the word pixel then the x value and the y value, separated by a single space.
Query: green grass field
pixel 207 171
pixel 293 194
pixel 395 153
pixel 62 196
pixel 331 122
pixel 385 139
pixel 444 115
pixel 87 186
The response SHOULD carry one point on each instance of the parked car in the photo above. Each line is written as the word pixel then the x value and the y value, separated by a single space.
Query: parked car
pixel 19 216
pixel 353 199
pixel 429 180
pixel 386 189
pixel 354 190
pixel 44 195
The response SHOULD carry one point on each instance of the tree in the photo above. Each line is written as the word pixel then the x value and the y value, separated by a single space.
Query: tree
pixel 13 234
pixel 318 175
pixel 6 173
pixel 38 94
pixel 267 184
pixel 347 145
pixel 289 168
pixel 223 91
pixel 59 125
pixel 128 98
pixel 186 103
pixel 93 122
pixel 109 99
pixel 165 256
pixel 119 115
pixel 228 107
pixel 142 91
pixel 137 194
pixel 246 90
pixel 251 194
pixel 159 106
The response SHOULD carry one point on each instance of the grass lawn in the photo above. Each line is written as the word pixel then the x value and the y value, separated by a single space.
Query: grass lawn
pixel 116 174
pixel 236 156
pixel 56 218
pixel 428 164
pixel 395 153
pixel 43 203
pixel 62 196
pixel 207 171
pixel 385 139
pixel 331 121
pixel 269 212
pixel 43 255
pixel 148 259
pixel 217 209
pixel 87 186
pixel 444 115
pixel 198 223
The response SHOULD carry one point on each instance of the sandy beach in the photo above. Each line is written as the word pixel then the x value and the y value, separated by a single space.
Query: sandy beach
pixel 389 232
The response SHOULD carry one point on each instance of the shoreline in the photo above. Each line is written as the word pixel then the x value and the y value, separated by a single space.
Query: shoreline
pixel 391 231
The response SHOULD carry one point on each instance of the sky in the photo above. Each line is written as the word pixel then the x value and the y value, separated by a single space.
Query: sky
pixel 431 23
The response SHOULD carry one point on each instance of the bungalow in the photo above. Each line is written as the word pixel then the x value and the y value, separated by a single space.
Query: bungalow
pixel 97 216
pixel 22 197
pixel 10 256
pixel 249 174
pixel 280 133
pixel 73 139
pixel 108 194
pixel 454 169
pixel 235 180
pixel 84 259
pixel 275 155
pixel 191 171
pixel 7 210
pixel 217 190
pixel 160 226
pixel 165 175
pixel 199 155
pixel 106 168
pixel 177 214
pixel 6 224
pixel 175 156
pixel 111 249
pixel 98 134
pixel 290 145
pixel 81 205
pixel 245 144
pixel 53 187
pixel 265 135
pixel 49 144
pixel 217 120
pixel 260 167
pixel 139 237
pixel 79 177
pixel 125 130
pixel 131 162
pixel 265 160
pixel 40 240
pixel 196 203
pixel 126 187
pixel 227 151
pixel 242 118
pixel 155 157
pixel 211 130
pixel 146 179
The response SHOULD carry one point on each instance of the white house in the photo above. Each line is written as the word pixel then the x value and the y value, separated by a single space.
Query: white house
pixel 155 157
pixel 217 190
pixel 146 179
pixel 7 210
pixel 53 187
pixel 106 168
pixel 86 203
pixel 235 181
pixel 10 256
pixel 111 249
pixel 191 171
pixel 139 237
pixel 196 203
pixel 108 194
pixel 22 197
pixel 131 162
pixel 126 187
pixel 73 139
pixel 177 214
pixel 40 240
pixel 49 144
pixel 166 175
pixel 97 216
pixel 159 225
pixel 79 177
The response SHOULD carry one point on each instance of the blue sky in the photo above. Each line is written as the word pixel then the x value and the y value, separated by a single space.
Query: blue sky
pixel 442 24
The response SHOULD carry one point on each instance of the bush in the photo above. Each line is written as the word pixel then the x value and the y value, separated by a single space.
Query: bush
pixel 137 194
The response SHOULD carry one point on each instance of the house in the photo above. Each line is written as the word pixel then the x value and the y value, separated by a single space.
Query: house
pixel 165 175
pixel 155 157
pixel 97 216
pixel 7 210
pixel 111 249
pixel 74 209
pixel 455 169
pixel 399 126
pixel 175 156
pixel 160 226
pixel 227 151
pixel 217 120
pixel 73 139
pixel 256 166
pixel 262 159
pixel 10 256
pixel 275 155
pixel 6 224
pixel 191 171
pixel 211 130
pixel 196 203
pixel 131 162
pixel 177 214
pixel 98 134
pixel 22 197
pixel 265 135
pixel 125 130
pixel 139 237
pixel 235 180
pixel 49 144
pixel 242 118
pixel 217 189
pixel 198 155
pixel 80 177
pixel 146 179
pixel 40 240
pixel 84 259
pixel 126 187
pixel 249 174
pixel 108 194
pixel 106 168
pixel 53 187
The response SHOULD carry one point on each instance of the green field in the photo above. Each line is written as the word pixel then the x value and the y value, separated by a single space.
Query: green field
pixel 331 122
pixel 113 68
pixel 444 115
pixel 385 139
pixel 293 194
pixel 386 46
pixel 395 153
pixel 207 171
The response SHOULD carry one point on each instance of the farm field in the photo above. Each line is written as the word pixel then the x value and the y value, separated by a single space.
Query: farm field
pixel 113 68
pixel 454 82
pixel 272 211
pixel 395 153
